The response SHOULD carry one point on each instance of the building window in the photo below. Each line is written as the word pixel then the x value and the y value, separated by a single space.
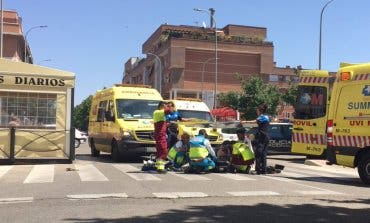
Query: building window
pixel 273 78
pixel 29 110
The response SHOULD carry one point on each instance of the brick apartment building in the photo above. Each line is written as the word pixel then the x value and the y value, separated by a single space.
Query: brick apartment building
pixel 13 38
pixel 187 55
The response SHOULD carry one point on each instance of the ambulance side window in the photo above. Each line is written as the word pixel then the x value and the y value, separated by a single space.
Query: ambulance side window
pixel 101 111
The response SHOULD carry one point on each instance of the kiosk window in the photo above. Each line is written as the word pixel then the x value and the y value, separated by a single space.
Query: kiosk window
pixel 33 110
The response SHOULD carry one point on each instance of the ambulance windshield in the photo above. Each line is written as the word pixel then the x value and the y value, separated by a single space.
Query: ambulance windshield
pixel 311 102
pixel 136 109
pixel 203 115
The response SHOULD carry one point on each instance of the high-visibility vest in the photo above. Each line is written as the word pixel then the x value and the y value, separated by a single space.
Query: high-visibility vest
pixel 197 148
pixel 159 116
pixel 240 148
pixel 172 154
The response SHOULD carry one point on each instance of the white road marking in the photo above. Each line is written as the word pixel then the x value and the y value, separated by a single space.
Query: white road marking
pixel 295 182
pixel 234 176
pixel 279 178
pixel 4 170
pixel 40 174
pixel 317 192
pixel 292 174
pixel 191 177
pixel 314 173
pixel 89 172
pixel 253 193
pixel 16 200
pixel 97 196
pixel 135 173
pixel 172 195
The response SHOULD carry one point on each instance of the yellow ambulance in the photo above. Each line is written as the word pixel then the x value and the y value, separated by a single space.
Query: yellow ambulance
pixel 348 126
pixel 121 120
pixel 311 111
pixel 199 117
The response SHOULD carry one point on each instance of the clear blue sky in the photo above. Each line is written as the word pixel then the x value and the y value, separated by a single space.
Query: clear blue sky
pixel 93 38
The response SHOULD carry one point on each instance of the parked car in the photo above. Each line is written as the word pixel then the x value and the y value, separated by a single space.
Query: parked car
pixel 80 137
pixel 228 129
pixel 280 135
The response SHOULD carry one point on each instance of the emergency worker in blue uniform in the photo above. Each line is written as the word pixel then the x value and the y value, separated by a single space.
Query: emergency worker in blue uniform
pixel 262 139
pixel 172 127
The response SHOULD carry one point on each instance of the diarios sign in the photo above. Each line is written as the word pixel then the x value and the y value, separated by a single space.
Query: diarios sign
pixel 32 81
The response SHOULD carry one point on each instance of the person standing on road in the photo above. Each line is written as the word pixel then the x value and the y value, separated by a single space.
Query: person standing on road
pixel 261 138
pixel 160 136
pixel 172 127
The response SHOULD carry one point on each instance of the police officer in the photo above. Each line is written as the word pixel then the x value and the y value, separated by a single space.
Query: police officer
pixel 262 139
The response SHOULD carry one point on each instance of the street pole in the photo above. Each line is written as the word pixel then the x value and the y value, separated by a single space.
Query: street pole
pixel 25 40
pixel 322 12
pixel 211 14
pixel 203 67
pixel 1 30
pixel 160 71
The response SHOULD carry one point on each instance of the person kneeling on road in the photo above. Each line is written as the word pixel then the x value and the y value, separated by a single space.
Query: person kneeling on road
pixel 242 156
pixel 201 154
pixel 177 156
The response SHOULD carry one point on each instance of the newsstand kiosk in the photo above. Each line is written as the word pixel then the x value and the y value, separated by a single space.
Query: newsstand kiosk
pixel 35 113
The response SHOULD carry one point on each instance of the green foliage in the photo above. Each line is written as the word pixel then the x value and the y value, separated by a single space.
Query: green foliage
pixel 81 114
pixel 256 92
pixel 290 95
pixel 229 99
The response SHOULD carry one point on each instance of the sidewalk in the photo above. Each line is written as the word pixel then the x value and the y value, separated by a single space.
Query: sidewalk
pixel 315 162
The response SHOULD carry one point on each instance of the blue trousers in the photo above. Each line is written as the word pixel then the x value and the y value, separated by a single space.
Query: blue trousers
pixel 206 163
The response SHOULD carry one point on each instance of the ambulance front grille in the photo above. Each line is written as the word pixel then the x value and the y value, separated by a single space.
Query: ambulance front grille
pixel 145 135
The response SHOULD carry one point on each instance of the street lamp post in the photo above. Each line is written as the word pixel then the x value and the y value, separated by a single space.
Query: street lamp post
pixel 322 12
pixel 203 67
pixel 160 71
pixel 25 40
pixel 1 30
pixel 214 21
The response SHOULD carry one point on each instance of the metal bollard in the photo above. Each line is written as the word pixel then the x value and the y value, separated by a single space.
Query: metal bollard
pixel 12 144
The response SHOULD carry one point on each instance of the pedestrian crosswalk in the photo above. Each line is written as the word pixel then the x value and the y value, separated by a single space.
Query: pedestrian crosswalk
pixel 91 172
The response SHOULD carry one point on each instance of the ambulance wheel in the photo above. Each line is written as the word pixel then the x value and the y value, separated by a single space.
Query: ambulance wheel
pixel 364 168
pixel 94 152
pixel 115 153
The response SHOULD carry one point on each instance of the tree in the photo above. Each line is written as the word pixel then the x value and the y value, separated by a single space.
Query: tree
pixel 81 114
pixel 229 99
pixel 290 96
pixel 256 92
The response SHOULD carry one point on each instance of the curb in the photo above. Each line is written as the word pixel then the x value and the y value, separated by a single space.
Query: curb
pixel 311 162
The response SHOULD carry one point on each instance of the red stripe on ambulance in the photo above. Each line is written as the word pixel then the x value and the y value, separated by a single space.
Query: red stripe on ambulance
pixel 309 138
pixel 361 77
pixel 352 141
pixel 314 80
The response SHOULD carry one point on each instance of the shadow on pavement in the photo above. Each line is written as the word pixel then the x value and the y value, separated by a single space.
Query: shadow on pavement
pixel 250 213
pixel 292 159
pixel 347 181
pixel 106 158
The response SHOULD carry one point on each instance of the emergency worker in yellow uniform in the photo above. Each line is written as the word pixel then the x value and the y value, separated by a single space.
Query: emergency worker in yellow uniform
pixel 160 136
pixel 201 155
pixel 242 156
pixel 177 156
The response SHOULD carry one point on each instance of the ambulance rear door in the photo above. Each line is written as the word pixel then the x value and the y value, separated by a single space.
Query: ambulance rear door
pixel 311 109
pixel 351 114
